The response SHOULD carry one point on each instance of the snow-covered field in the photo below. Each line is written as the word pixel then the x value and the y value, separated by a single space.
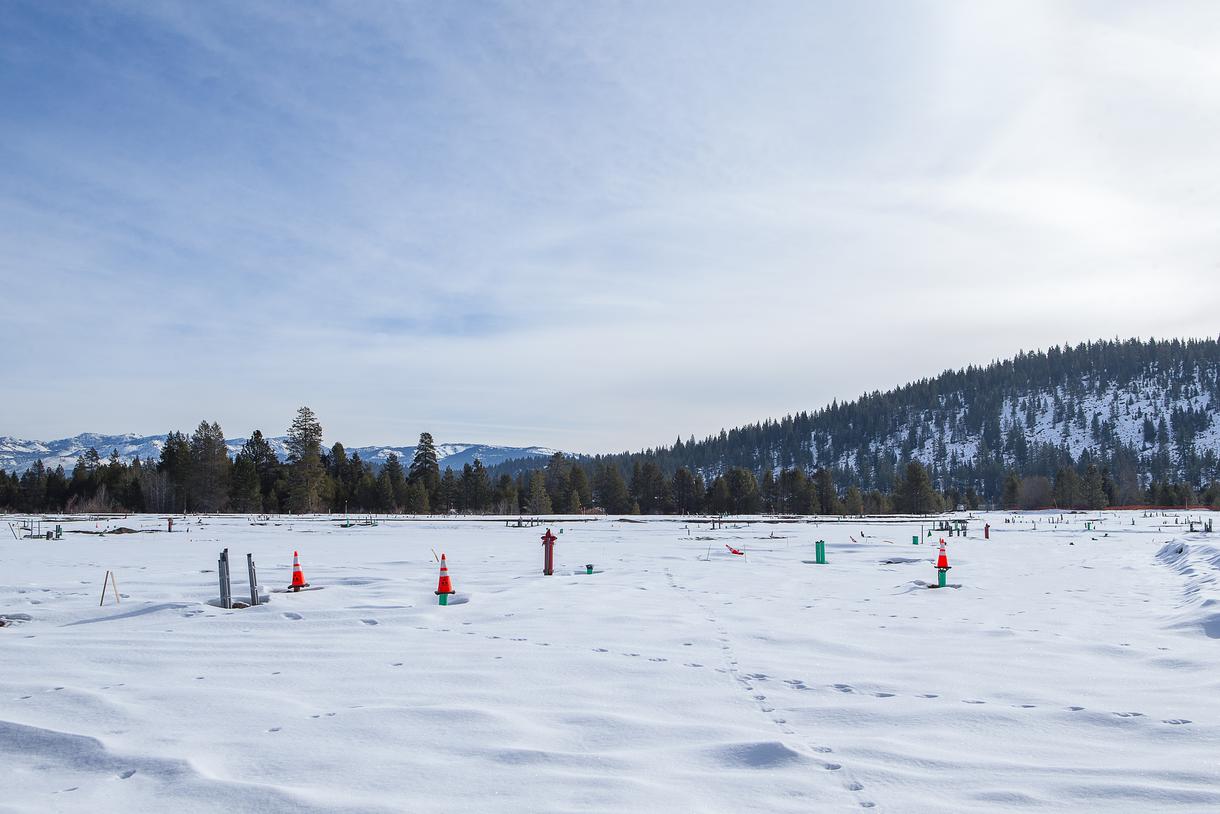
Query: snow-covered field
pixel 1064 669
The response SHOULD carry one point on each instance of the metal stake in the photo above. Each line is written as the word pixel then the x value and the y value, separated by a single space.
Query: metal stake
pixel 253 580
pixel 226 588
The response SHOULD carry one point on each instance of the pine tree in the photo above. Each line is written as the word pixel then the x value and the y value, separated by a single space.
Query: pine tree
pixel 339 470
pixel 581 489
pixel 268 466
pixel 34 488
pixel 210 464
pixel 768 491
pixel 304 444
pixel 57 491
pixel 506 495
pixel 558 480
pixel 743 491
pixel 398 479
pixel 539 499
pixel 417 498
pixel 244 492
pixel 114 473
pixel 686 493
pixel 916 496
pixel 477 488
pixel 175 463
pixel 385 493
pixel 425 468
pixel 853 503
pixel 364 484
pixel 650 489
pixel 1067 492
pixel 10 487
pixel 828 499
pixel 447 492
pixel 1094 489
pixel 611 491
pixel 719 499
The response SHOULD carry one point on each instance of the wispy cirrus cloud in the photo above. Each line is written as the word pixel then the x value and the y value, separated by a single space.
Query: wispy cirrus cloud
pixel 575 225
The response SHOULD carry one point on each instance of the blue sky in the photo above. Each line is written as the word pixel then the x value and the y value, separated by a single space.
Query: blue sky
pixel 593 226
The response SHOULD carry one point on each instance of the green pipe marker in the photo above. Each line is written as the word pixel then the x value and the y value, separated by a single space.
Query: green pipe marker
pixel 444 598
pixel 820 552
pixel 940 577
pixel 589 568
pixel 914 539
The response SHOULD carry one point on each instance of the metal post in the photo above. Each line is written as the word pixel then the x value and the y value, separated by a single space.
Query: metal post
pixel 226 589
pixel 253 579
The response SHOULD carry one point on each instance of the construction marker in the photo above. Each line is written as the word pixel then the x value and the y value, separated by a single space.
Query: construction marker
pixel 444 586
pixel 942 565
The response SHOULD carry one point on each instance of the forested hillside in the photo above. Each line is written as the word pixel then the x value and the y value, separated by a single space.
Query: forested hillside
pixel 1134 419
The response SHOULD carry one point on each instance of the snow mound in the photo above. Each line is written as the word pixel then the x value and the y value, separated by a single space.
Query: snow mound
pixel 760 755
pixel 1200 565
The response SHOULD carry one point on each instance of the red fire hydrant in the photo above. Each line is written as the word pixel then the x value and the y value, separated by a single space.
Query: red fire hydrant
pixel 548 548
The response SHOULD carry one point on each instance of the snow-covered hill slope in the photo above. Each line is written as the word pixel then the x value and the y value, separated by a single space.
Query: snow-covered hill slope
pixel 17 455
pixel 1148 415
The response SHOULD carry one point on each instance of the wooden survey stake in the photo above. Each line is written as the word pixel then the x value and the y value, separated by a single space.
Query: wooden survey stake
pixel 109 579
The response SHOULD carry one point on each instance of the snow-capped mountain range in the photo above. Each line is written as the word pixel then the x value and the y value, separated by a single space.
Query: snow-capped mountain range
pixel 17 454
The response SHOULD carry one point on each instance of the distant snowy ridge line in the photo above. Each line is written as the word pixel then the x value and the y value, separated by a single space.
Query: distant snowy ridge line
pixel 17 454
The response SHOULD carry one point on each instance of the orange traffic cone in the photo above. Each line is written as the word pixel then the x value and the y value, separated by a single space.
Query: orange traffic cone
pixel 298 576
pixel 443 586
pixel 942 566
pixel 942 559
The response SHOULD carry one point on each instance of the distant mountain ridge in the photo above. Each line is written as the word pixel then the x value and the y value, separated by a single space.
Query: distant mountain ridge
pixel 17 455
